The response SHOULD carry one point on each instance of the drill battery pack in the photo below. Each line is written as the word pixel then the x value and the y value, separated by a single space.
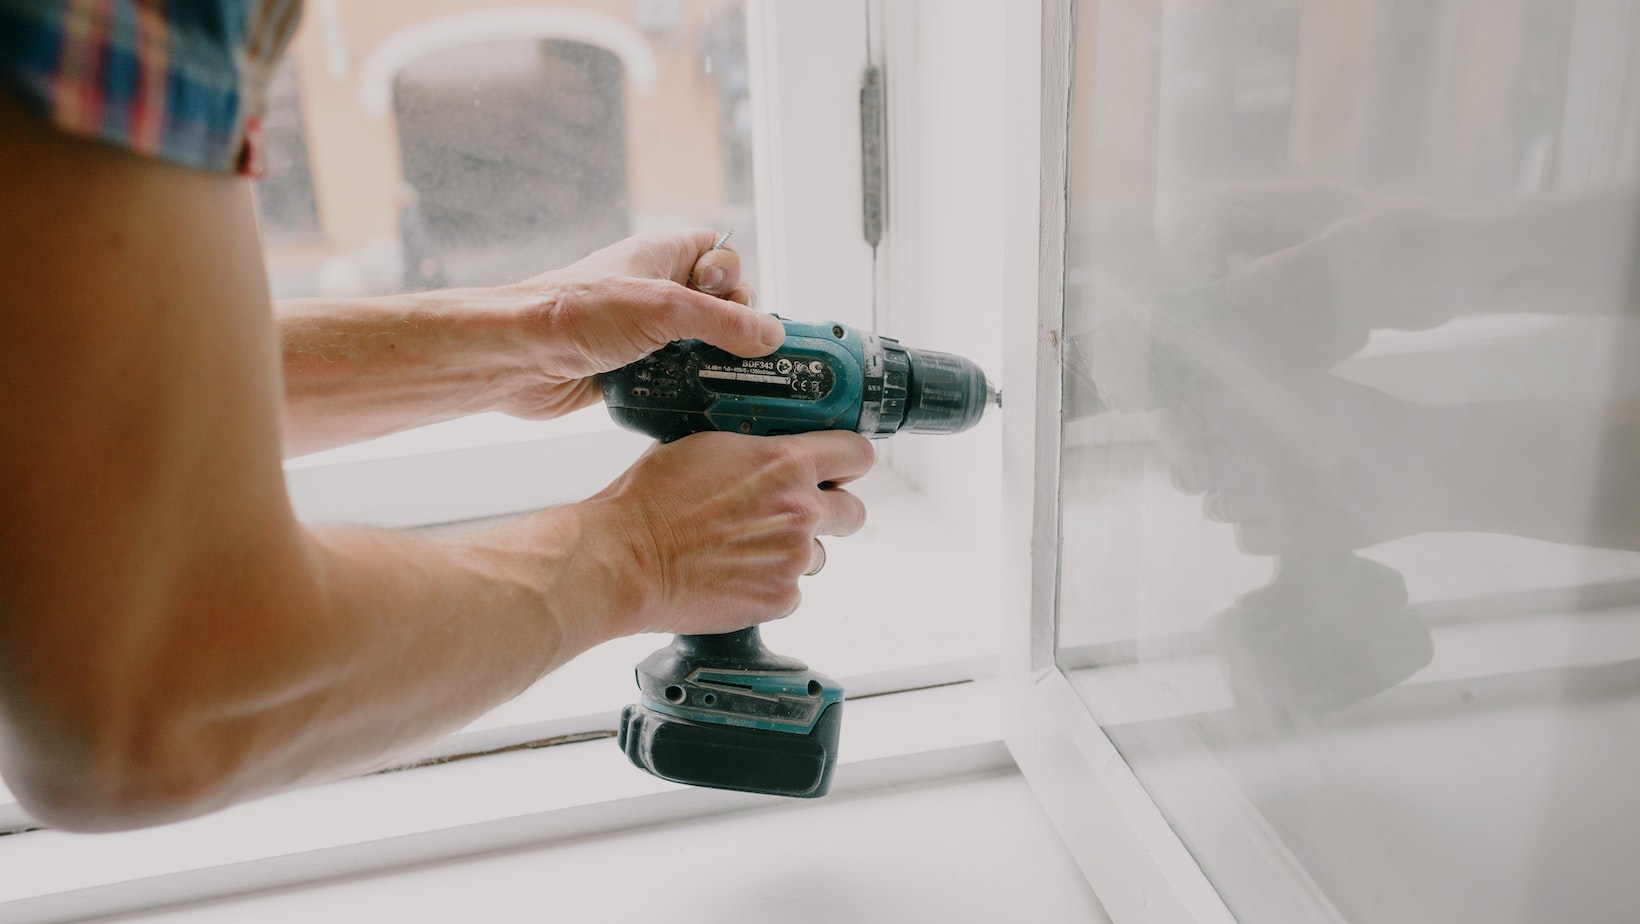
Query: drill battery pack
pixel 726 712
pixel 728 757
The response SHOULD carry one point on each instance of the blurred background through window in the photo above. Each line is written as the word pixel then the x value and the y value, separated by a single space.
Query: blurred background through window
pixel 452 142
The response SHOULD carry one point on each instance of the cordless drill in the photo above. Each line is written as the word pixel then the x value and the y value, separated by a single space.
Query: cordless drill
pixel 722 710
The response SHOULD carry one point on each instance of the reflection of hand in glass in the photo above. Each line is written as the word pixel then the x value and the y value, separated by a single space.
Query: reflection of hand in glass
pixel 1326 632
pixel 1561 471
pixel 1318 464
pixel 1311 303
pixel 1290 276
pixel 1294 275
pixel 1315 464
pixel 1408 263
pixel 1245 222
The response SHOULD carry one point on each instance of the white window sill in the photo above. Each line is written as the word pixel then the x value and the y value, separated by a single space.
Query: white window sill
pixel 973 849
pixel 521 798
pixel 480 466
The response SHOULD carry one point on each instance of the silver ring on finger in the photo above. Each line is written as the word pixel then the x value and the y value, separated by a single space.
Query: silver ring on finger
pixel 815 568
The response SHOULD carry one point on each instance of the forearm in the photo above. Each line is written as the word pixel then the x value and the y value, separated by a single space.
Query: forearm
pixel 1569 253
pixel 356 369
pixel 360 368
pixel 1561 471
pixel 321 655
pixel 171 638
pixel 409 638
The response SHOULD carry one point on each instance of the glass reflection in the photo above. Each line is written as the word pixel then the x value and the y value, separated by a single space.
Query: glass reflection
pixel 1351 453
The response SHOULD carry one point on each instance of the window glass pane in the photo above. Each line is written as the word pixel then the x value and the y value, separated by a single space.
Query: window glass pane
pixel 284 197
pixel 456 142
pixel 462 142
pixel 1351 452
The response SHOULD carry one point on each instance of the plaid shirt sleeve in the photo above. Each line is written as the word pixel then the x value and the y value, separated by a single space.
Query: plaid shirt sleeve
pixel 180 80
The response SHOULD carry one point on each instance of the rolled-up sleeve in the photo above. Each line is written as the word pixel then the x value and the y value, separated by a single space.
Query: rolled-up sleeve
pixel 172 79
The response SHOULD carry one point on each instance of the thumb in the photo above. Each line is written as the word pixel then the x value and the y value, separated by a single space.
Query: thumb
pixel 724 324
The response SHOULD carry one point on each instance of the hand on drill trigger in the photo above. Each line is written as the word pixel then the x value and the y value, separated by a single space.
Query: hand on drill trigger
pixel 626 301
pixel 721 525
pixel 1378 261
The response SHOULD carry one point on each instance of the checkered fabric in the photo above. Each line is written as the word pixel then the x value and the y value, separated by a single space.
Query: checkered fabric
pixel 180 80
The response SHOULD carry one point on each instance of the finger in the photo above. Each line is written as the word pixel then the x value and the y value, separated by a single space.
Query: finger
pixel 720 322
pixel 1236 505
pixel 1200 455
pixel 1261 537
pixel 717 271
pixel 843 514
pixel 1216 467
pixel 837 456
pixel 743 294
pixel 1267 217
pixel 792 605
pixel 688 247
pixel 817 559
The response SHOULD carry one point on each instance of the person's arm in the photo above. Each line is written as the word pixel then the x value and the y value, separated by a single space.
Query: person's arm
pixel 172 640
pixel 366 367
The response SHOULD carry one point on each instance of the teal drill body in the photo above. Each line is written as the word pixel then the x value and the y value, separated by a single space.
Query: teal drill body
pixel 722 710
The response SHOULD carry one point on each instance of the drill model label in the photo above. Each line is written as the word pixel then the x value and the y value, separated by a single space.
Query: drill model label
pixel 812 383
pixel 800 378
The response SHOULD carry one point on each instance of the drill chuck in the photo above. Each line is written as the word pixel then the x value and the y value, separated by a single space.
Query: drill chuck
pixel 946 394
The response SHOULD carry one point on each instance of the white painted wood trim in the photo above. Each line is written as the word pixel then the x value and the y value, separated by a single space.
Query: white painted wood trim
pixel 1137 865
pixel 806 58
pixel 1029 380
pixel 462 809
pixel 768 187
pixel 1114 830
pixel 464 470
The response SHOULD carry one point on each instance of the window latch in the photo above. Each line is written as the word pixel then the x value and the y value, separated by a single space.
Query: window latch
pixel 873 154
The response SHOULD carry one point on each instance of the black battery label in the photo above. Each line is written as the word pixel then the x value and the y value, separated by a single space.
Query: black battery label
pixel 799 378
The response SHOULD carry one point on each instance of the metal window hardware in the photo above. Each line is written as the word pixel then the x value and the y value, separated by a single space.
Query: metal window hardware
pixel 873 156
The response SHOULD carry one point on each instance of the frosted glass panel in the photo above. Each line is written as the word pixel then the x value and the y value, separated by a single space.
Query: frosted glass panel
pixel 1351 446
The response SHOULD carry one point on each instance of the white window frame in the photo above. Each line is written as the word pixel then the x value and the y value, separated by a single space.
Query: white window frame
pixel 1118 836
pixel 1112 825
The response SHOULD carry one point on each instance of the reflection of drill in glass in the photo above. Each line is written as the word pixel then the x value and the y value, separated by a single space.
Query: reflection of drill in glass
pixel 1329 629
pixel 1234 308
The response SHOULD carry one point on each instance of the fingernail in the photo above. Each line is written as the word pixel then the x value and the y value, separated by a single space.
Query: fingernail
pixel 774 332
pixel 709 277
